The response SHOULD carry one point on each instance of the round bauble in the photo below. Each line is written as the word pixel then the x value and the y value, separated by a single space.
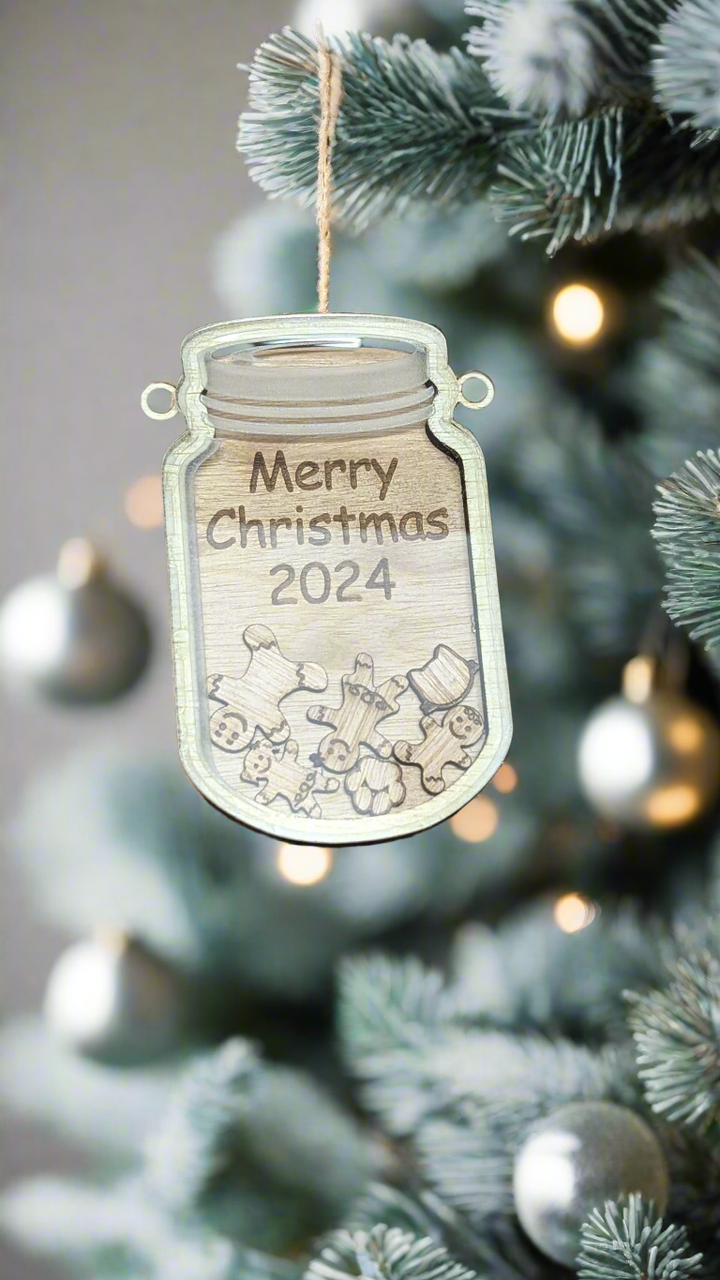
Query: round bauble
pixel 652 764
pixel 74 637
pixel 378 17
pixel 113 1000
pixel 581 1156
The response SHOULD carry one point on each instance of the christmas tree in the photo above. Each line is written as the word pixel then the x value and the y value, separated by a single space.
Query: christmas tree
pixel 378 1074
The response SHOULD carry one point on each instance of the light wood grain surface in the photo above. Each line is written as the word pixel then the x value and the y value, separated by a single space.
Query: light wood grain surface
pixel 317 556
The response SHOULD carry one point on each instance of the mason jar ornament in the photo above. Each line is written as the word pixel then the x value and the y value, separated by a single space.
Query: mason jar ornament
pixel 339 666
pixel 338 651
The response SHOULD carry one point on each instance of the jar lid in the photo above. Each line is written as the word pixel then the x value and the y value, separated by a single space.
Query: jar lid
pixel 337 387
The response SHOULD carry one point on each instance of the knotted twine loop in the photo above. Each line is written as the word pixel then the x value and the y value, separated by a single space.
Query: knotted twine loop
pixel 330 93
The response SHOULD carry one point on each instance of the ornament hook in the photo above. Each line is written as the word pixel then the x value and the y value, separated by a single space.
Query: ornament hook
pixel 487 382
pixel 154 413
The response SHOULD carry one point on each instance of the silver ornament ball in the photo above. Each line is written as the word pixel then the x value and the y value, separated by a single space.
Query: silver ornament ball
pixel 378 17
pixel 581 1156
pixel 74 637
pixel 651 764
pixel 111 999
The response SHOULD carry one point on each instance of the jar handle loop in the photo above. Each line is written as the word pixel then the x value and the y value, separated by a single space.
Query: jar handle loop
pixel 475 375
pixel 160 415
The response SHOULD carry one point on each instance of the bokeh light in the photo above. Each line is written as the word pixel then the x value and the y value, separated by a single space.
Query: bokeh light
pixel 78 561
pixel 578 314
pixel 637 679
pixel 477 821
pixel 506 779
pixel 674 805
pixel 686 734
pixel 572 912
pixel 144 504
pixel 303 864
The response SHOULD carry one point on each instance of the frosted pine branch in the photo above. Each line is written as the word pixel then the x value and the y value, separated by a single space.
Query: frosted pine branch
pixel 552 56
pixel 563 183
pixel 686 67
pixel 692 295
pixel 687 529
pixel 121 1231
pixel 394 1208
pixel 630 1242
pixel 385 1253
pixel 419 128
pixel 241 1135
pixel 677 1037
pixel 391 1016
pixel 613 170
pixel 389 1004
pixel 191 1144
pixel 415 126
pixel 467 1151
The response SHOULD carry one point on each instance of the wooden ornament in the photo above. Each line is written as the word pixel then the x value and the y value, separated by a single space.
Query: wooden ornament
pixel 328 530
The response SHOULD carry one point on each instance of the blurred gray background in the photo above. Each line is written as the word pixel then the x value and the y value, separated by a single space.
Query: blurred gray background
pixel 119 173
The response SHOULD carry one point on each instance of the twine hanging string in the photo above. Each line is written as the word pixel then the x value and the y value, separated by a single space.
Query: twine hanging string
pixel 330 92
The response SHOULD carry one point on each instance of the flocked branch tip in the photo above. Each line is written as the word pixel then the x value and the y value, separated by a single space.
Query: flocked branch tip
pixel 687 529
pixel 414 126
pixel 191 1144
pixel 541 55
pixel 630 1242
pixel 385 1253
pixel 677 1038
pixel 687 63
pixel 566 56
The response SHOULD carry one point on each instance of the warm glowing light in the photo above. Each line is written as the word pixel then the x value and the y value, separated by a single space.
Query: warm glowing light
pixel 505 779
pixel 573 912
pixel 578 314
pixel 144 504
pixel 78 561
pixel 673 805
pixel 637 679
pixel 685 734
pixel 303 863
pixel 477 821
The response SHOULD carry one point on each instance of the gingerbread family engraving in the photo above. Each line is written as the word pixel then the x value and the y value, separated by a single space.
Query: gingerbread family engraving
pixel 246 716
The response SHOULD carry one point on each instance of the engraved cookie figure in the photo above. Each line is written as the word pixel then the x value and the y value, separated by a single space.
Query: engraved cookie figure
pixel 445 680
pixel 355 721
pixel 443 744
pixel 375 786
pixel 282 775
pixel 253 701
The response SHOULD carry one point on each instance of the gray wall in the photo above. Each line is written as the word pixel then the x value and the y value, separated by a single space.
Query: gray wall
pixel 120 171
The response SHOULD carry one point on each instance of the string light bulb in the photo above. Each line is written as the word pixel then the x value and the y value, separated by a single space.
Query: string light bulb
pixel 572 912
pixel 476 821
pixel 578 314
pixel 506 779
pixel 303 864
pixel 144 503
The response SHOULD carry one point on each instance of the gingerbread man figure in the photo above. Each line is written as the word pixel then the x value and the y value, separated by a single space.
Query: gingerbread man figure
pixel 355 722
pixel 443 744
pixel 281 775
pixel 253 701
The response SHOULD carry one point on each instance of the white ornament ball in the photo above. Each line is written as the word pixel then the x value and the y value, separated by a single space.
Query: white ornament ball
pixel 650 765
pixel 378 17
pixel 111 999
pixel 581 1156
pixel 75 636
